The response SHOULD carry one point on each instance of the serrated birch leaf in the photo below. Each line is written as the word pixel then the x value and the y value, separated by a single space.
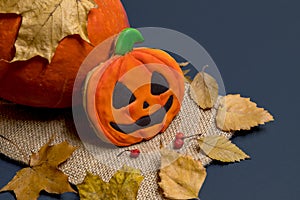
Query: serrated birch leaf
pixel 220 148
pixel 204 90
pixel 123 185
pixel 181 176
pixel 45 23
pixel 238 113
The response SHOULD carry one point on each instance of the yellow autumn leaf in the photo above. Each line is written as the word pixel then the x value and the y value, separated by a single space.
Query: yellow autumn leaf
pixel 181 176
pixel 123 185
pixel 204 90
pixel 45 23
pixel 43 173
pixel 218 147
pixel 238 113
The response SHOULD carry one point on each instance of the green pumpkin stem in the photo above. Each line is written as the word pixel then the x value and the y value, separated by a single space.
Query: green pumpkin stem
pixel 127 38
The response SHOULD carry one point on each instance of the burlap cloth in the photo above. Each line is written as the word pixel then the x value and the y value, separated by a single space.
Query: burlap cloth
pixel 30 128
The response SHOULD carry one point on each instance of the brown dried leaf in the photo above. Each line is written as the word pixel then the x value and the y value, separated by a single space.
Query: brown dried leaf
pixel 204 90
pixel 43 173
pixel 123 185
pixel 218 147
pixel 45 23
pixel 238 113
pixel 181 176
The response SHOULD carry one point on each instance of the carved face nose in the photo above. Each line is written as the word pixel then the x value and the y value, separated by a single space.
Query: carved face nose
pixel 145 105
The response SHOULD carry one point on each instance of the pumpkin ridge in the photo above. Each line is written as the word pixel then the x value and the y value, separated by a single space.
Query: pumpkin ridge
pixel 136 55
pixel 62 93
pixel 163 56
pixel 96 114
pixel 17 79
pixel 93 115
pixel 140 61
pixel 116 139
pixel 120 139
pixel 133 58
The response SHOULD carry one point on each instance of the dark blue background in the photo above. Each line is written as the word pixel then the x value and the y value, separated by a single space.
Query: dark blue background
pixel 256 45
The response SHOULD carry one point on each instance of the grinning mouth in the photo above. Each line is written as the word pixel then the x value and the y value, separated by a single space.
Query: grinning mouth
pixel 145 121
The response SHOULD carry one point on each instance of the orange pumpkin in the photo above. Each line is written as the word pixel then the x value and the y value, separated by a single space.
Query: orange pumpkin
pixel 37 83
pixel 134 95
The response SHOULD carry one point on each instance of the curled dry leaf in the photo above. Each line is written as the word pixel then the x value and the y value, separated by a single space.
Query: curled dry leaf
pixel 204 90
pixel 183 64
pixel 187 78
pixel 123 185
pixel 45 23
pixel 181 176
pixel 185 72
pixel 238 113
pixel 218 147
pixel 43 173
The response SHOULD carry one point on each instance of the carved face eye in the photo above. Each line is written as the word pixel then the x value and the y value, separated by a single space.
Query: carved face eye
pixel 122 96
pixel 159 84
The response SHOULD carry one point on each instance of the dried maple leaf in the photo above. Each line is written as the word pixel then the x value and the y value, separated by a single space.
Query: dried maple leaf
pixel 204 90
pixel 238 113
pixel 43 173
pixel 181 176
pixel 123 185
pixel 218 147
pixel 45 23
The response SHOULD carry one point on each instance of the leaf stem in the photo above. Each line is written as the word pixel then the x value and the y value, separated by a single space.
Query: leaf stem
pixel 122 152
pixel 190 136
pixel 204 68
pixel 127 38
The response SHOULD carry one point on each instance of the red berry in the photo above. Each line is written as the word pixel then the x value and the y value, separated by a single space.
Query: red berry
pixel 179 135
pixel 134 153
pixel 178 143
